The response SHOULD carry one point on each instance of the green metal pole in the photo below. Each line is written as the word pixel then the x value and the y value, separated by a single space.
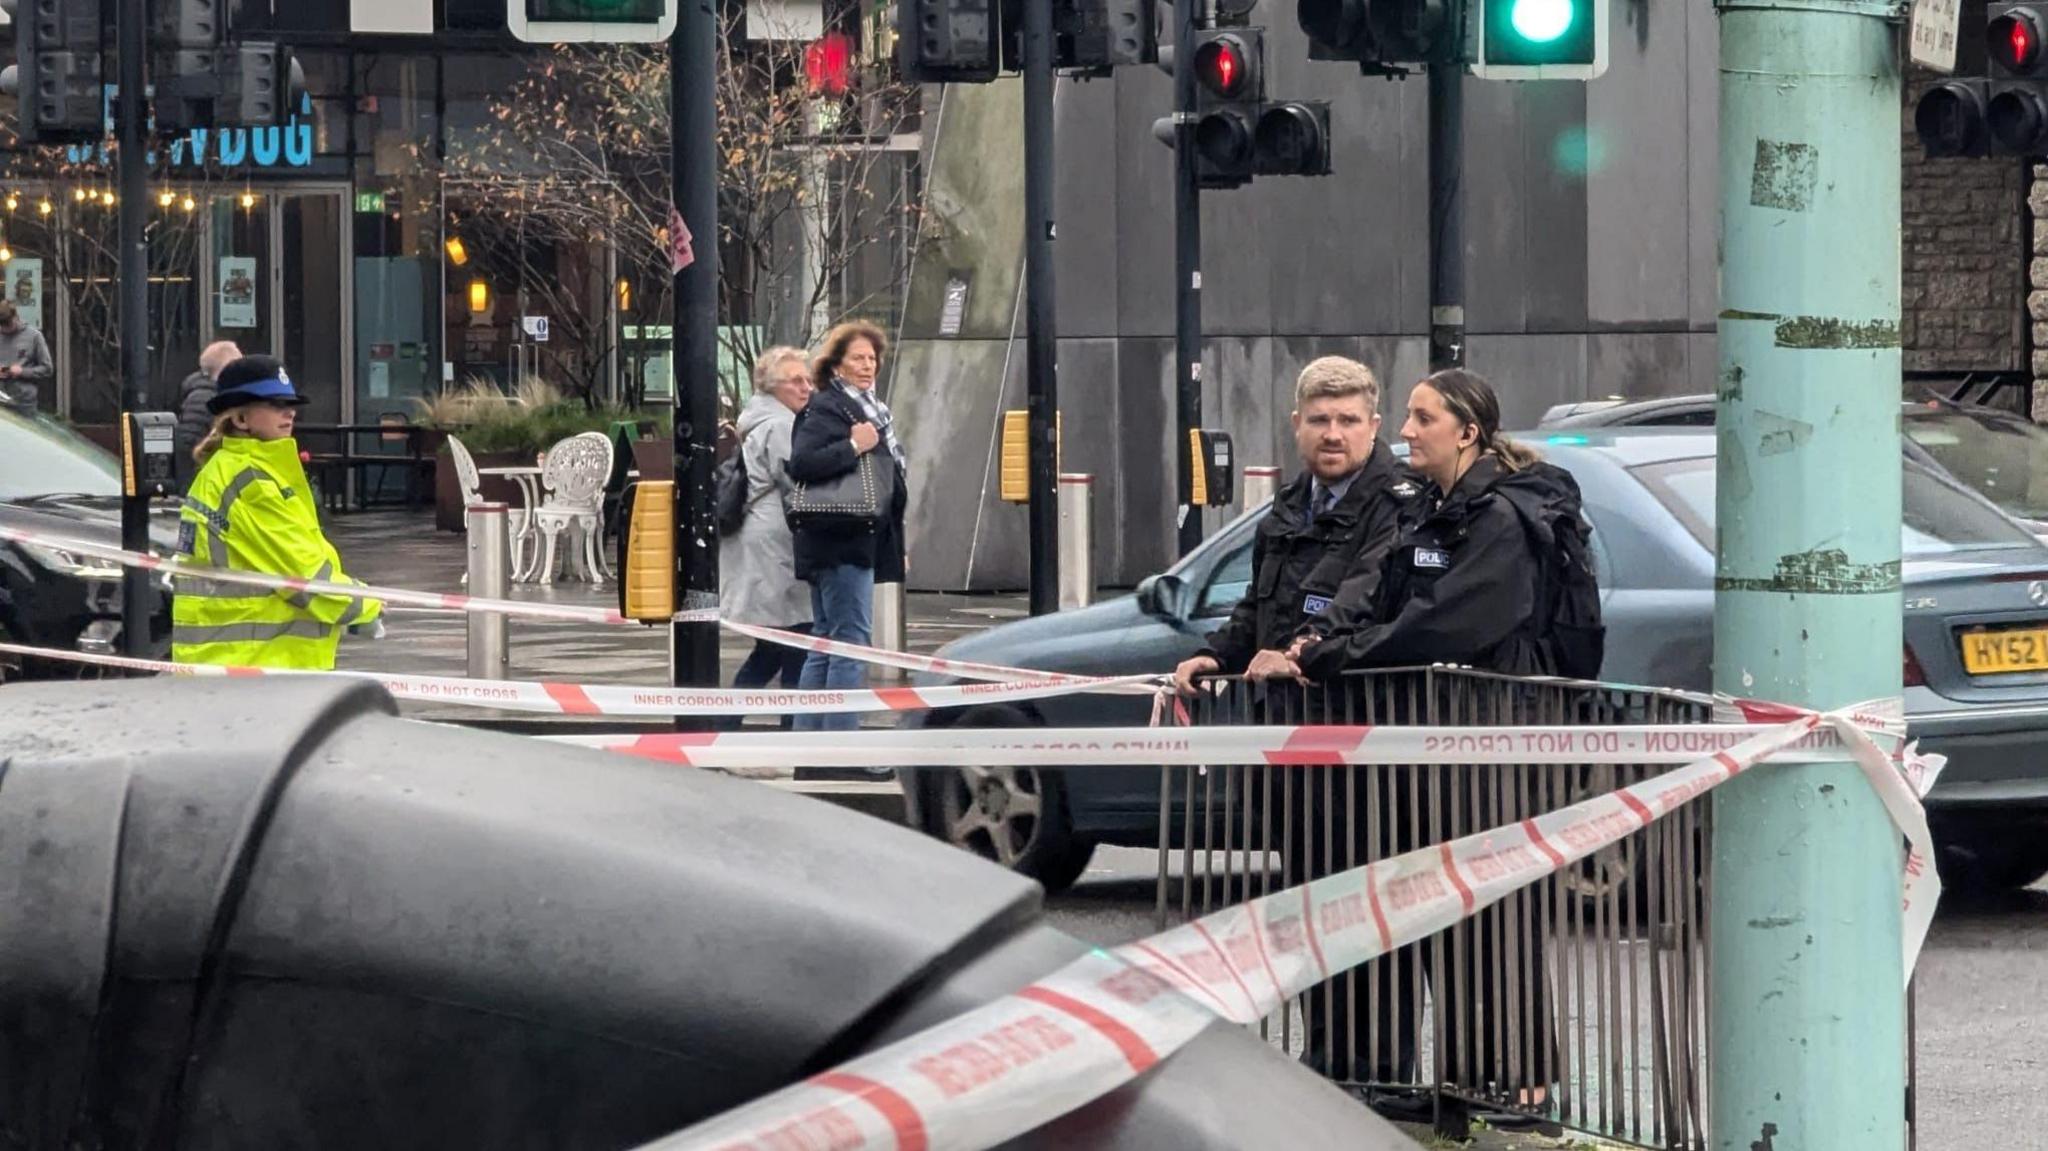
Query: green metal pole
pixel 1807 1025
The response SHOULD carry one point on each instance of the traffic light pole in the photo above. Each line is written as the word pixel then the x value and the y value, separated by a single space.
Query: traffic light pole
pixel 693 158
pixel 1041 349
pixel 1187 274
pixel 132 160
pixel 1806 975
pixel 1446 217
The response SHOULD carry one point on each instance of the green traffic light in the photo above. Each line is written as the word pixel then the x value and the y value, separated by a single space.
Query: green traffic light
pixel 1542 21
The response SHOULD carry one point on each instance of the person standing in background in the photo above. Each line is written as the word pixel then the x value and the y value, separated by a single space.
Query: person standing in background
pixel 25 363
pixel 757 581
pixel 844 561
pixel 194 418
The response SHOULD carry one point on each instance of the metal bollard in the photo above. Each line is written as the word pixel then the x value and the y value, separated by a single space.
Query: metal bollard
pixel 1255 489
pixel 489 576
pixel 891 625
pixel 1077 539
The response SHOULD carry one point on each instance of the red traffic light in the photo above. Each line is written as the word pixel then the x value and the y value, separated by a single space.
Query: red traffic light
pixel 2014 40
pixel 1220 66
pixel 827 63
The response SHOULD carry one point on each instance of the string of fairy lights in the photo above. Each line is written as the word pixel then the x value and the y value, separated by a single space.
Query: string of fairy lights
pixel 170 200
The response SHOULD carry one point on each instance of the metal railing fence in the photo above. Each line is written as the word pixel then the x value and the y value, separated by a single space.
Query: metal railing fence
pixel 1580 999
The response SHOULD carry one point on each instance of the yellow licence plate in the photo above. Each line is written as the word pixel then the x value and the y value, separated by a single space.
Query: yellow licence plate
pixel 2001 652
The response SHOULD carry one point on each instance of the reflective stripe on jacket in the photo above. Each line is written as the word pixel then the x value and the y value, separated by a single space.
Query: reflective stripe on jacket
pixel 251 509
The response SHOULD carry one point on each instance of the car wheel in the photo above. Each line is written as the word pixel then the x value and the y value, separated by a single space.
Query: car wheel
pixel 1014 816
pixel 1990 866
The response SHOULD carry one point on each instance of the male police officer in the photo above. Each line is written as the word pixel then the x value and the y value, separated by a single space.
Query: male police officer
pixel 1330 527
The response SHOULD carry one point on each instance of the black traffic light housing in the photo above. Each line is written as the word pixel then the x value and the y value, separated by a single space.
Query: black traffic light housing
pixel 55 75
pixel 2002 109
pixel 1230 92
pixel 2016 102
pixel 1292 138
pixel 974 41
pixel 1384 36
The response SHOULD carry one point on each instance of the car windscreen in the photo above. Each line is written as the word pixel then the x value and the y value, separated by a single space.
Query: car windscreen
pixel 1941 517
pixel 41 457
pixel 2003 457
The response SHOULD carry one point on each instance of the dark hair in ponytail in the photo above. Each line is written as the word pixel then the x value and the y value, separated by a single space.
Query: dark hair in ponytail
pixel 1471 400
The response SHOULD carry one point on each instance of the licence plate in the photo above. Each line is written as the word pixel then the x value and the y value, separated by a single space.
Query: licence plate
pixel 2003 652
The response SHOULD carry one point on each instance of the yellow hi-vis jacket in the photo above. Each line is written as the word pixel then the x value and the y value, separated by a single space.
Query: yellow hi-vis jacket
pixel 251 509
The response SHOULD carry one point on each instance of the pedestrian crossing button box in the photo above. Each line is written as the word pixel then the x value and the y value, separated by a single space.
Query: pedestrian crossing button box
pixel 149 450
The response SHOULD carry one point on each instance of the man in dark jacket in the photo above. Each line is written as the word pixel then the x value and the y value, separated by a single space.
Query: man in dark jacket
pixel 193 393
pixel 1329 530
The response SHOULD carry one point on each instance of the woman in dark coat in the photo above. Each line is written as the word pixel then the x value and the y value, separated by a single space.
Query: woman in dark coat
pixel 843 561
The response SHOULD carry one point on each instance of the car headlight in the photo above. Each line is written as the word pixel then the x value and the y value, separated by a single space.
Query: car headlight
pixel 71 564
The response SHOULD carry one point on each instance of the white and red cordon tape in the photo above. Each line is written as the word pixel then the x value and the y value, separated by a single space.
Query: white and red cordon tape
pixel 178 569
pixel 622 699
pixel 1003 1069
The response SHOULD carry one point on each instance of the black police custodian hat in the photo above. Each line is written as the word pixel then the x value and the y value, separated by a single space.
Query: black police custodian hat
pixel 252 379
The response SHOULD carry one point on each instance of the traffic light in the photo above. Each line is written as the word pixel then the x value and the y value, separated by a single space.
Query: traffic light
pixel 1230 91
pixel 1292 139
pixel 1380 33
pixel 2016 99
pixel 2004 113
pixel 591 21
pixel 941 41
pixel 55 76
pixel 1541 39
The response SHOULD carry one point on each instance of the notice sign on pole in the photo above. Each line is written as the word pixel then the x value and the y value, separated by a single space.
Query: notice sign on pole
pixel 1934 33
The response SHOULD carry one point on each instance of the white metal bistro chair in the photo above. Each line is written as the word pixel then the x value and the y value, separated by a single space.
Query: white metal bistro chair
pixel 574 476
pixel 518 521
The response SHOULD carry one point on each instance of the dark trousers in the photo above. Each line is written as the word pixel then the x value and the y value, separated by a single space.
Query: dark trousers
pixel 764 664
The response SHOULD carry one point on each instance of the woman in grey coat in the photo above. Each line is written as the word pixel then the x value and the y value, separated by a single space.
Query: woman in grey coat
pixel 757 581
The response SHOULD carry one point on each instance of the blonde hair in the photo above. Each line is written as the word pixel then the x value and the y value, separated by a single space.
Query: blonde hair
pixel 222 425
pixel 1336 377
pixel 775 357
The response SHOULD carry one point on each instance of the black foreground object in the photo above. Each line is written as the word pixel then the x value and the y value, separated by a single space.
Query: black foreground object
pixel 270 914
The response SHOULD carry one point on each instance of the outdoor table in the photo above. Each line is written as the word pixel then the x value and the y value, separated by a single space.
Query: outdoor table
pixel 528 479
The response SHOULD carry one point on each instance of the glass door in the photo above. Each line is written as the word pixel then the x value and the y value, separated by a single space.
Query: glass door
pixel 313 312
pixel 239 301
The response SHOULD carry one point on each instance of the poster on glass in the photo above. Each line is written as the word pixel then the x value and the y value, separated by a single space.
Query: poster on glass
pixel 237 292
pixel 25 289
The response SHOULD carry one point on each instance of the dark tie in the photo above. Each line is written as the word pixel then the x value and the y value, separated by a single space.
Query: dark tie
pixel 1320 500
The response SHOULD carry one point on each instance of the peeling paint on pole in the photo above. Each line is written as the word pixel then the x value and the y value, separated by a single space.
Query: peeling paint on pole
pixel 1807 1025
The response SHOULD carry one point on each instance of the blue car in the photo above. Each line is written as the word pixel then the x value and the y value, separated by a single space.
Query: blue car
pixel 1971 572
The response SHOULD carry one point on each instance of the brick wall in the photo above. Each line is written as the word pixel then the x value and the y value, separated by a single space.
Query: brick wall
pixel 1964 274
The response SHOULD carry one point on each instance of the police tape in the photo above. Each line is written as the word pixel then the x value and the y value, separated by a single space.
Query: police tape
pixel 1087 748
pixel 608 699
pixel 1008 1067
pixel 570 613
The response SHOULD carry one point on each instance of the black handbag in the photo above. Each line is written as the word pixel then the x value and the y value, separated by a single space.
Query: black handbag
pixel 858 498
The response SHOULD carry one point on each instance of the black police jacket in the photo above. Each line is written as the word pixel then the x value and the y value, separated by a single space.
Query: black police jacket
pixel 1459 586
pixel 1299 568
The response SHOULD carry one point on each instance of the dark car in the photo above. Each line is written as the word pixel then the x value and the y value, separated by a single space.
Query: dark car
pixel 1649 495
pixel 55 482
pixel 2001 454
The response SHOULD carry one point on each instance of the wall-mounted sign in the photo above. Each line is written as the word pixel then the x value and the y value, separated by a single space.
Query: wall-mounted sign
pixel 290 146
pixel 237 292
pixel 370 202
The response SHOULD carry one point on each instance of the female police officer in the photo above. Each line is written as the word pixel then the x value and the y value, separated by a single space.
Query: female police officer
pixel 250 508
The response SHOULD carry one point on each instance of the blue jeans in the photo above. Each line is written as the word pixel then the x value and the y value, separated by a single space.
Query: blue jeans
pixel 843 604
